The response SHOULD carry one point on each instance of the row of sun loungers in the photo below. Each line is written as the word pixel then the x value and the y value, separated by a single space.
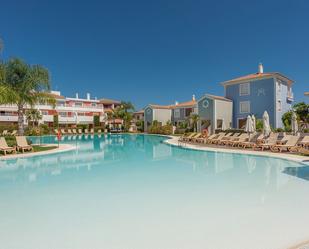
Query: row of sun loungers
pixel 254 141
pixel 76 131
pixel 21 142
pixel 7 133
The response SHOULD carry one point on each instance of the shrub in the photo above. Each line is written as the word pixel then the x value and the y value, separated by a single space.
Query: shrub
pixel 96 120
pixel 56 121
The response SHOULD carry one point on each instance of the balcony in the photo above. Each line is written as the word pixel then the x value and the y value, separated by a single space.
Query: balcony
pixel 8 118
pixel 290 96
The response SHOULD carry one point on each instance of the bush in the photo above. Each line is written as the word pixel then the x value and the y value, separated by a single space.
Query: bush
pixel 164 130
pixel 56 121
pixel 9 127
pixel 96 120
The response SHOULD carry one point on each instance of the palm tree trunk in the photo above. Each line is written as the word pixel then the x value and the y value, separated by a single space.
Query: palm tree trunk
pixel 20 120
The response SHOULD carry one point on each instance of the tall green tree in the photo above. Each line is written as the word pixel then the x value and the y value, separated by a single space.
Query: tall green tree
pixel 302 112
pixel 24 85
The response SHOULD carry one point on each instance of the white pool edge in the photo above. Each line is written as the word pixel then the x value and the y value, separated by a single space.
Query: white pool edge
pixel 173 140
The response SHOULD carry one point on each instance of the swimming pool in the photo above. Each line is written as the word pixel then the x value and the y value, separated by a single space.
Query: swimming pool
pixel 134 191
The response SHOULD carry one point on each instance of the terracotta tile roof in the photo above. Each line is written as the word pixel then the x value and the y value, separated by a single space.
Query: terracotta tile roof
pixel 184 104
pixel 160 106
pixel 56 96
pixel 139 112
pixel 255 76
pixel 109 101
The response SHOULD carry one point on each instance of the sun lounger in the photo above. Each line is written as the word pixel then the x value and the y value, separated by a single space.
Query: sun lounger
pixel 22 144
pixel 202 138
pixel 227 137
pixel 80 131
pixel 56 131
pixel 14 132
pixel 237 140
pixel 216 138
pixel 99 131
pixel 290 145
pixel 91 130
pixel 5 148
pixel 186 137
pixel 70 131
pixel 198 135
pixel 74 131
pixel 271 141
pixel 304 142
pixel 252 141
pixel 86 131
pixel 63 131
pixel 5 132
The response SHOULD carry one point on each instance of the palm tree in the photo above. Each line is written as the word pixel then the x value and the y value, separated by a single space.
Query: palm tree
pixel 24 85
pixel 194 118
pixel 33 116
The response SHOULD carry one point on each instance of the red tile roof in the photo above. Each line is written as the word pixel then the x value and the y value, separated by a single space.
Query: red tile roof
pixel 56 96
pixel 182 104
pixel 255 76
pixel 109 101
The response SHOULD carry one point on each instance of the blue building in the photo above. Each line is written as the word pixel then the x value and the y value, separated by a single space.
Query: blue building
pixel 255 93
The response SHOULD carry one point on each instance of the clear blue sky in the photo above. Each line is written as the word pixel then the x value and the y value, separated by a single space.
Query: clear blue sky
pixel 157 51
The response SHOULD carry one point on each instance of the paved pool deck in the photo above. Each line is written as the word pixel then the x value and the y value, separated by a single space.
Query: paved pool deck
pixel 173 140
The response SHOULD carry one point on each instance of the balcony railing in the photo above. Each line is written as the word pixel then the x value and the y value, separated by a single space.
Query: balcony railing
pixel 290 96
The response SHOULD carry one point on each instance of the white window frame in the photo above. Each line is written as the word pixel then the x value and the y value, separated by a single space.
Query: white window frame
pixel 177 113
pixel 240 89
pixel 240 105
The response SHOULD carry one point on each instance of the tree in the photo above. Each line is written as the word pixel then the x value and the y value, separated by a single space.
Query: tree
pixel 194 118
pixel 302 112
pixel 33 116
pixel 24 85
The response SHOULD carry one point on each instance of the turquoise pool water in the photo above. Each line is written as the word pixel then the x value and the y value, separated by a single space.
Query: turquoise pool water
pixel 133 191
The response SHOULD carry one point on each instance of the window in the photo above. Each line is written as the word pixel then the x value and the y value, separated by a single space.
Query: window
pixel 188 111
pixel 63 114
pixel 279 106
pixel 94 104
pixel 242 123
pixel 78 104
pixel 244 89
pixel 219 123
pixel 176 113
pixel 244 107
pixel 44 112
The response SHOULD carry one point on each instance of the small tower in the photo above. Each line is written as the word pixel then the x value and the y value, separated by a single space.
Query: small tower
pixel 261 70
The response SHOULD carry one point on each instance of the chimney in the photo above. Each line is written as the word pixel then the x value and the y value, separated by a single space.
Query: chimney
pixel 88 96
pixel 261 70
pixel 76 95
pixel 193 97
pixel 176 102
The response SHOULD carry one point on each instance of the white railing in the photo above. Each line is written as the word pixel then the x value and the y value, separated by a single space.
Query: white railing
pixel 8 118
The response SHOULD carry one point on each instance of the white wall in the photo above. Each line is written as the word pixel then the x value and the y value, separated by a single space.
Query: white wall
pixel 162 115
pixel 223 110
